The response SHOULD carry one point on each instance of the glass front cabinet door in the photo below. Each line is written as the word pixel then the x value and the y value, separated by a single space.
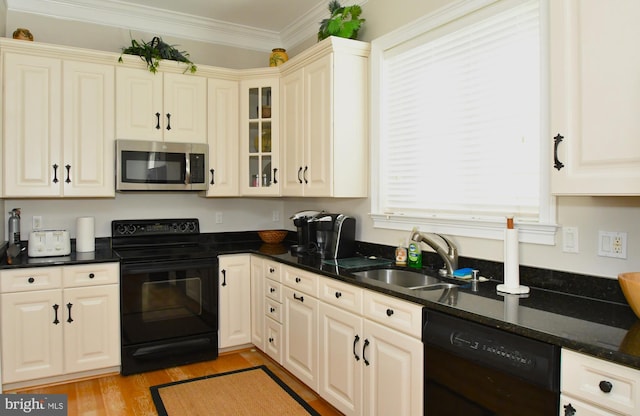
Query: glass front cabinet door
pixel 260 174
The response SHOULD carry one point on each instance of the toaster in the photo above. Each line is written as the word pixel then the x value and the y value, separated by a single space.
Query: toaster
pixel 46 243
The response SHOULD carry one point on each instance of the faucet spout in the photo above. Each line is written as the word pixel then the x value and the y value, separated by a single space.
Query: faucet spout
pixel 449 255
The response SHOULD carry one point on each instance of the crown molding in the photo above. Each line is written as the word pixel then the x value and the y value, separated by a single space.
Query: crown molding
pixel 152 20
pixel 118 13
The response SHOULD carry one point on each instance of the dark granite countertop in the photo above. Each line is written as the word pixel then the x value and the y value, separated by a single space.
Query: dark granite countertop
pixel 590 316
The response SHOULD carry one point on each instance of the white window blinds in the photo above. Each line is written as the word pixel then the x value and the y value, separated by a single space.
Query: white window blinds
pixel 460 124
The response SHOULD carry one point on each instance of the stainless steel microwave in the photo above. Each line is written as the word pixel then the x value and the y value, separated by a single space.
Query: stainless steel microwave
pixel 161 166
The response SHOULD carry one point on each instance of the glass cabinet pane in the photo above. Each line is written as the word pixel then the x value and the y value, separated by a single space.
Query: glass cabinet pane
pixel 266 102
pixel 254 137
pixel 254 102
pixel 266 137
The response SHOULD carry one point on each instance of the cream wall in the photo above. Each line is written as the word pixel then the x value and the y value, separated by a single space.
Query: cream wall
pixel 587 213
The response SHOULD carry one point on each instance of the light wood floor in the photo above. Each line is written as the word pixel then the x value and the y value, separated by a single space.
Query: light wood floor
pixel 118 395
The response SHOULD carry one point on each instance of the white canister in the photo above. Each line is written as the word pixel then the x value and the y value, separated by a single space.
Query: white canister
pixel 85 234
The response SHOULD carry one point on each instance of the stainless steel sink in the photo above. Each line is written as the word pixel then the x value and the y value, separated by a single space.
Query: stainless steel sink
pixel 405 278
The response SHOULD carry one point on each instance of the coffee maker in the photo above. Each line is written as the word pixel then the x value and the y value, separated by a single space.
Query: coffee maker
pixel 335 235
pixel 306 232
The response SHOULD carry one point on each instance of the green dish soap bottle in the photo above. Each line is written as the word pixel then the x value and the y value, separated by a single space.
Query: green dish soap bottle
pixel 415 254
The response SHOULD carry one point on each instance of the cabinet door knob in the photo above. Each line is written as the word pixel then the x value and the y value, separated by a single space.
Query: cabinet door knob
pixel 389 312
pixel 213 172
pixel 157 121
pixel 55 173
pixel 272 310
pixel 270 340
pixel 224 277
pixel 91 275
pixel 364 348
pixel 297 280
pixel 271 270
pixel 272 289
pixel 69 305
pixel 304 175
pixel 68 180
pixel 168 121
pixel 31 280
pixel 569 410
pixel 275 175
pixel 556 142
pixel 338 295
pixel 605 386
pixel 56 321
pixel 355 341
pixel 299 174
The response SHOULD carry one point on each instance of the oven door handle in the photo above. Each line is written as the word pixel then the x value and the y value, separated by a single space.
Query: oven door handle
pixel 163 266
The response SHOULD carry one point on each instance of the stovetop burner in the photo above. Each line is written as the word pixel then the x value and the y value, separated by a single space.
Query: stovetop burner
pixel 163 239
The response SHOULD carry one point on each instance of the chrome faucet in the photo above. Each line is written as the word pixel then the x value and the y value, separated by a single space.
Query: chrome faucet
pixel 450 255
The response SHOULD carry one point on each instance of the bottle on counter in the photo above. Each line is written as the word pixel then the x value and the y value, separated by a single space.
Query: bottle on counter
pixel 415 255
pixel 14 226
pixel 401 254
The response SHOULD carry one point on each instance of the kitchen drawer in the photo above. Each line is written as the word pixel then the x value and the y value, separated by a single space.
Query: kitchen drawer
pixel 272 270
pixel 395 313
pixel 273 290
pixel 301 280
pixel 342 295
pixel 91 274
pixel 35 278
pixel 273 310
pixel 569 404
pixel 273 339
pixel 588 379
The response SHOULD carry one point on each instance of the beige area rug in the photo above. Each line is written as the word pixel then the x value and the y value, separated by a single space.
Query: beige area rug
pixel 250 391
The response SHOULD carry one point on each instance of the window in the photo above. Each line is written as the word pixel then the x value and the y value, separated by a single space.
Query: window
pixel 460 122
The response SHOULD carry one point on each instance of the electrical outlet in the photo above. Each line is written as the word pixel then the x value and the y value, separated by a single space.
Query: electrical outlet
pixel 218 217
pixel 276 216
pixel 612 244
pixel 36 222
pixel 570 239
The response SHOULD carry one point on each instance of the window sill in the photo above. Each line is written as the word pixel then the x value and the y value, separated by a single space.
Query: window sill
pixel 533 233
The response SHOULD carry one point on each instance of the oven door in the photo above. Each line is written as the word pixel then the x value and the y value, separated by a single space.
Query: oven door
pixel 168 311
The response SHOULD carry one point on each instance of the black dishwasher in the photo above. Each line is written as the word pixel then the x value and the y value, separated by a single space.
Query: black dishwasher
pixel 472 369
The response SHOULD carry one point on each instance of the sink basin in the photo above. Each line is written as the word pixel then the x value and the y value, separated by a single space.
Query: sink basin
pixel 405 278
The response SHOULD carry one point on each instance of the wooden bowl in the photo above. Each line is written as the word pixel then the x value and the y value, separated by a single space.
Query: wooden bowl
pixel 272 236
pixel 630 284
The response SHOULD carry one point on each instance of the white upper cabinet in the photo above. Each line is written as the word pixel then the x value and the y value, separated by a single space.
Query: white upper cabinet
pixel 162 106
pixel 324 104
pixel 60 118
pixel 223 138
pixel 595 73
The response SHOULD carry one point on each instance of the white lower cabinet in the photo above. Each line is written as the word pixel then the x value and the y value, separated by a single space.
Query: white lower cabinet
pixel 300 323
pixel 234 300
pixel 368 368
pixel 58 321
pixel 590 386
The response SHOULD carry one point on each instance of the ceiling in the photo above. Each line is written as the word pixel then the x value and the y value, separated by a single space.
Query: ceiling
pixel 251 24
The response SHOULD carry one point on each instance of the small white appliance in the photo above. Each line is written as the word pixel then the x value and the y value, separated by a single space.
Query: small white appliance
pixel 47 243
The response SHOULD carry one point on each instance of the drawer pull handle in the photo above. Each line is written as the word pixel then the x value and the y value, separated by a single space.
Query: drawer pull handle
pixel 68 180
pixel 364 348
pixel 301 298
pixel 272 289
pixel 389 312
pixel 213 175
pixel 31 280
pixel 605 386
pixel 69 305
pixel 297 280
pixel 91 275
pixel 272 310
pixel 56 321
pixel 271 270
pixel 157 121
pixel 569 410
pixel 355 341
pixel 55 173
pixel 271 340
pixel 338 295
